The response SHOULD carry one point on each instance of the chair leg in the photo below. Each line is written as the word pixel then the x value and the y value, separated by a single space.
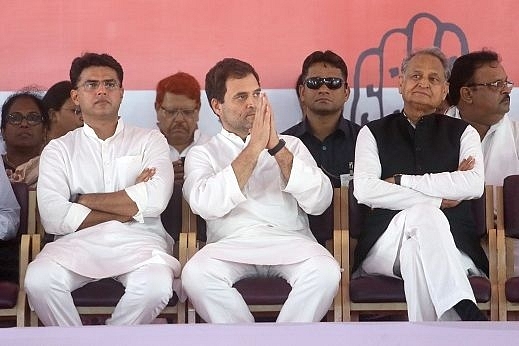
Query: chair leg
pixel 34 319
pixel 191 314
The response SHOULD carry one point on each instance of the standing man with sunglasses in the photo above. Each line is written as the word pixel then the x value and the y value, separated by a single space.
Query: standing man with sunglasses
pixel 325 132
pixel 479 91
pixel 329 137
pixel 416 171
pixel 101 191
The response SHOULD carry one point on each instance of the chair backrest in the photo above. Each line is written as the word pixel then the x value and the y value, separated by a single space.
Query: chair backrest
pixel 171 217
pixel 10 249
pixel 479 213
pixel 356 213
pixel 21 191
pixel 322 225
pixel 511 205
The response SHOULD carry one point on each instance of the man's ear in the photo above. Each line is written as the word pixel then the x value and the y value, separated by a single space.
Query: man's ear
pixel 400 82
pixel 301 92
pixel 216 106
pixel 74 96
pixel 466 95
pixel 445 90
pixel 53 116
pixel 347 90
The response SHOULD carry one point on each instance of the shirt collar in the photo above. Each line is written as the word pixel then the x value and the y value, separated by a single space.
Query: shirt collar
pixel 235 138
pixel 89 131
pixel 454 112
pixel 304 127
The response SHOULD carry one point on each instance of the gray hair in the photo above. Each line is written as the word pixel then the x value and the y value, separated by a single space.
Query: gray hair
pixel 433 51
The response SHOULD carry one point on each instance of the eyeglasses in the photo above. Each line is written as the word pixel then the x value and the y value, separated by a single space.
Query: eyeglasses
pixel 93 85
pixel 497 85
pixel 332 83
pixel 32 118
pixel 176 111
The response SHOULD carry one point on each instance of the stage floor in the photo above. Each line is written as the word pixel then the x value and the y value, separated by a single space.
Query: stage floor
pixel 344 334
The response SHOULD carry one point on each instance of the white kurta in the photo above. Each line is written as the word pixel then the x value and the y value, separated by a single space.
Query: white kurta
pixel 9 208
pixel 418 237
pixel 198 138
pixel 81 163
pixel 500 149
pixel 266 222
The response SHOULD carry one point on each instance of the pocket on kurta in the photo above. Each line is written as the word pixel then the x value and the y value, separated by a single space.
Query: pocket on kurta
pixel 128 169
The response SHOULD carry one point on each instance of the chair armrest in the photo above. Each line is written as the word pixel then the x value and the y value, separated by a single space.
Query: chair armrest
pixel 337 254
pixel 493 275
pixel 501 272
pixel 182 249
pixel 35 245
pixel 192 246
pixel 493 256
pixel 24 257
pixel 31 225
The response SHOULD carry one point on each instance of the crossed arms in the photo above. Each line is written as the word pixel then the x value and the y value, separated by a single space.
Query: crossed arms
pixel 443 189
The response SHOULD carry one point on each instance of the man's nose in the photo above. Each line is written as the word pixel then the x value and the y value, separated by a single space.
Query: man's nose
pixel 101 89
pixel 424 83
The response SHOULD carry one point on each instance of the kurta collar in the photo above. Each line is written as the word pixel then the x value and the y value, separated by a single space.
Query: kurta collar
pixel 235 138
pixel 89 131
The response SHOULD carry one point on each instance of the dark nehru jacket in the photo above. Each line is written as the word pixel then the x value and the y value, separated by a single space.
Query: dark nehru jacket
pixel 432 147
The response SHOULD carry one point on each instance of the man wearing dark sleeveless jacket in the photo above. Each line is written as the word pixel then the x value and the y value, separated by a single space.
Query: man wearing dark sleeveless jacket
pixel 417 170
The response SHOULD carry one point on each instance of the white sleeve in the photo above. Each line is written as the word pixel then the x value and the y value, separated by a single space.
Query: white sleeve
pixel 457 185
pixel 153 196
pixel 58 214
pixel 374 192
pixel 211 193
pixel 9 208
pixel 307 183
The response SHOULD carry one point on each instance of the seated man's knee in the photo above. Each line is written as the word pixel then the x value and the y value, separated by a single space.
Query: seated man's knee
pixel 199 269
pixel 192 276
pixel 425 213
pixel 326 271
pixel 38 278
pixel 159 284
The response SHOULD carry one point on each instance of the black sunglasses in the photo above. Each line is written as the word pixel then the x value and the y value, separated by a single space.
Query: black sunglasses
pixel 332 83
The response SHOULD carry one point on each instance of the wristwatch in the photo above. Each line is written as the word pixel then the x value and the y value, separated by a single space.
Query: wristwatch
pixel 277 148
pixel 398 178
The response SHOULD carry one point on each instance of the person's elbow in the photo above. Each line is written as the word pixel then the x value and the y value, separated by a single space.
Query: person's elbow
pixel 479 186
pixel 10 232
pixel 361 190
